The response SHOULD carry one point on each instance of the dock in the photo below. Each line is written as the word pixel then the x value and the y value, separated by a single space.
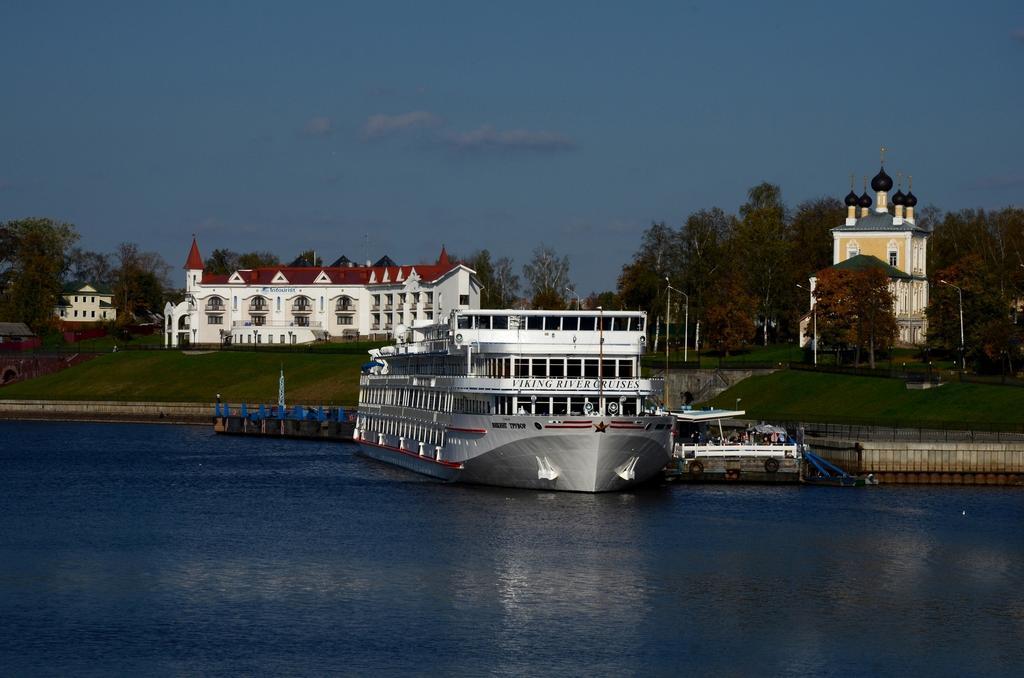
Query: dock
pixel 332 423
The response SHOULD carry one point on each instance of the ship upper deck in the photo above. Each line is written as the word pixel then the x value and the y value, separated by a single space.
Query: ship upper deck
pixel 522 332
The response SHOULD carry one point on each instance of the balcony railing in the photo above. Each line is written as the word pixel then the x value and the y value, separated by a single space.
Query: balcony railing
pixel 215 308
pixel 259 308
pixel 272 325
pixel 347 308
pixel 302 308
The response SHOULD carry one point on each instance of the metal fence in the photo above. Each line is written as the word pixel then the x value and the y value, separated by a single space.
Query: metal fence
pixel 992 432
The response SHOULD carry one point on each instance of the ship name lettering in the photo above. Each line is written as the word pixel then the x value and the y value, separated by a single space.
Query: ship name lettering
pixel 495 424
pixel 575 384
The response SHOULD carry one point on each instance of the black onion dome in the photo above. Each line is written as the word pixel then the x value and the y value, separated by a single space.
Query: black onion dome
pixel 910 200
pixel 898 198
pixel 864 200
pixel 851 199
pixel 882 181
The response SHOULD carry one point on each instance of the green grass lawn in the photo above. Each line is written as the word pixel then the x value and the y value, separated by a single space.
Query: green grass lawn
pixel 790 395
pixel 180 377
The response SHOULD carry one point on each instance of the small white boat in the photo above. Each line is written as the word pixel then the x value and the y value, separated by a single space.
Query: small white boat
pixel 702 450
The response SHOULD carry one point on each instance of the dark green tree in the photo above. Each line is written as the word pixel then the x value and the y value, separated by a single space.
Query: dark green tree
pixel 251 260
pixel 221 262
pixel 34 256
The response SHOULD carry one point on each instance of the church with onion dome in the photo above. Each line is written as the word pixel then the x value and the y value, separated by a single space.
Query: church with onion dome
pixel 884 234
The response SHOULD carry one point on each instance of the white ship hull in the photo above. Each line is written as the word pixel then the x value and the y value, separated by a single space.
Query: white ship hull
pixel 591 454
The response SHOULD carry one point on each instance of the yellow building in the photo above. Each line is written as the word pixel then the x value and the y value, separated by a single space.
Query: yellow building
pixel 874 236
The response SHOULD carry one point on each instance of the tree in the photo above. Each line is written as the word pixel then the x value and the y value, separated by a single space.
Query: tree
pixel 855 308
pixel 506 283
pixel 834 309
pixel 642 285
pixel 141 279
pixel 985 314
pixel 607 300
pixel 221 262
pixel 33 259
pixel 702 241
pixel 89 266
pixel 873 306
pixel 251 260
pixel 727 315
pixel 480 261
pixel 760 246
pixel 308 257
pixel 548 276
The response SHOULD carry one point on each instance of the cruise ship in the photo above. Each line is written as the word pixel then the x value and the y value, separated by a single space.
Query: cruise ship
pixel 549 400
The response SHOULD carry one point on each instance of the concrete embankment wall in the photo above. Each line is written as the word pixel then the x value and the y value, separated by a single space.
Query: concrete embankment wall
pixel 92 410
pixel 950 463
pixel 705 384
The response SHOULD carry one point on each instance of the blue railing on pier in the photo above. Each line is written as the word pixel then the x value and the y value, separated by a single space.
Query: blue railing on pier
pixel 296 413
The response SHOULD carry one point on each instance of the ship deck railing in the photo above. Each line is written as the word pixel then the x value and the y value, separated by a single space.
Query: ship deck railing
pixel 691 451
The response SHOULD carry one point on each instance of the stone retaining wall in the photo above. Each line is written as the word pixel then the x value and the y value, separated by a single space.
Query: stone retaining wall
pixel 959 463
pixel 92 410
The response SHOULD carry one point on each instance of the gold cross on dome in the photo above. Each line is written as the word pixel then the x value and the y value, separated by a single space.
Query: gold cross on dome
pixel 881 152
pixel 851 181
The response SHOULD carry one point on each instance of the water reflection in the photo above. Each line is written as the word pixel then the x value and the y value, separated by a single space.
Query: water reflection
pixel 163 549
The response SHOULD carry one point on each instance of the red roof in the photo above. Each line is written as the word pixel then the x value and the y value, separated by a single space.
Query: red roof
pixel 194 261
pixel 340 275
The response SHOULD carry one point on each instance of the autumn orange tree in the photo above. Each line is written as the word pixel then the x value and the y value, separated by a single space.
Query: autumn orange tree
pixel 855 309
pixel 729 315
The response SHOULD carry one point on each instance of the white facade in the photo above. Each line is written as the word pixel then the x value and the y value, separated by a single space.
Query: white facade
pixel 283 305
pixel 85 303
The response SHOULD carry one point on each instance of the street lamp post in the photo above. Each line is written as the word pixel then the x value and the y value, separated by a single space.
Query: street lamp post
pixel 686 319
pixel 572 293
pixel 814 315
pixel 960 297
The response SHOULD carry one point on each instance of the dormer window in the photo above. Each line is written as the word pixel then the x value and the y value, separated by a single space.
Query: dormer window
pixel 852 249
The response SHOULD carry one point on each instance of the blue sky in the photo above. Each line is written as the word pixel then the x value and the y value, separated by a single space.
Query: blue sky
pixel 287 126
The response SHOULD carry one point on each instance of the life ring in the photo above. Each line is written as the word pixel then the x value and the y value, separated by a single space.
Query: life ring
pixel 613 407
pixel 771 465
pixel 695 468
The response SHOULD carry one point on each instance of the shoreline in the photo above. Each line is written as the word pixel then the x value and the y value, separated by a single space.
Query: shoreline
pixel 107 411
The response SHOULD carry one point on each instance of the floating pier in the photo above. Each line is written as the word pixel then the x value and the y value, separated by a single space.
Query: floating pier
pixel 332 423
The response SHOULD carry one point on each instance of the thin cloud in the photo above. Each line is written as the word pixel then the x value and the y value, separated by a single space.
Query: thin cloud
pixel 383 125
pixel 487 138
pixel 999 181
pixel 319 126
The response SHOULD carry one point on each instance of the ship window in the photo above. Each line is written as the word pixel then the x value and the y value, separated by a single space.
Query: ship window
pixel 556 368
pixel 522 367
pixel 542 406
pixel 483 322
pixel 464 322
pixel 570 323
pixel 606 323
pixel 535 322
pixel 540 367
pixel 499 322
pixel 587 324
pixel 560 406
pixel 638 325
pixel 608 368
pixel 575 368
pixel 590 367
pixel 626 369
pixel 552 322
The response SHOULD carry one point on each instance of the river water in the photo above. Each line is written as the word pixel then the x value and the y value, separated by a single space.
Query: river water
pixel 133 549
